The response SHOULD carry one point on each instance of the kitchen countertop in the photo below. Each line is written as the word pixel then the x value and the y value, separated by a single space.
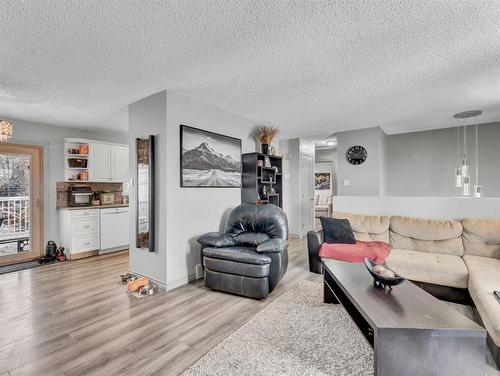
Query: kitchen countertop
pixel 94 207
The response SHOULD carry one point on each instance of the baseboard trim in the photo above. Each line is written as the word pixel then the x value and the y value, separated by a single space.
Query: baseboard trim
pixel 80 255
pixel 112 250
pixel 181 281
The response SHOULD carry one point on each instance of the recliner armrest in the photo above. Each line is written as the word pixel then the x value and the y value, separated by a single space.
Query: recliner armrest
pixel 275 245
pixel 314 241
pixel 216 239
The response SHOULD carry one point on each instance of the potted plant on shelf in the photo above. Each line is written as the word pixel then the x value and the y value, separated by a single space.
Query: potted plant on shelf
pixel 265 135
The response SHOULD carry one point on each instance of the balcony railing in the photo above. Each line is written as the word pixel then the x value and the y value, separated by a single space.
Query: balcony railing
pixel 16 223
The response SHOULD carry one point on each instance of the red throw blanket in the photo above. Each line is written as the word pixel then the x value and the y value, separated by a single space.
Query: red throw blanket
pixel 376 251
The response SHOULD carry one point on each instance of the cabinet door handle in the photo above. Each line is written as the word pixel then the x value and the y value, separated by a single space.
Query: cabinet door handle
pixel 86 226
pixel 86 243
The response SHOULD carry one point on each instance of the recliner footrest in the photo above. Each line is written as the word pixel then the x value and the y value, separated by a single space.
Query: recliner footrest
pixel 238 268
pixel 257 288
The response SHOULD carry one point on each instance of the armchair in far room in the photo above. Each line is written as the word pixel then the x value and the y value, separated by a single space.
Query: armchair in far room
pixel 323 204
pixel 251 256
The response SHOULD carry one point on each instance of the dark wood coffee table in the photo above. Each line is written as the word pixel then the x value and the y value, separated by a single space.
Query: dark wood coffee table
pixel 411 332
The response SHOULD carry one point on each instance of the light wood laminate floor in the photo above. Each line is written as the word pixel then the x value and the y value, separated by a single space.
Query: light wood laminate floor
pixel 76 318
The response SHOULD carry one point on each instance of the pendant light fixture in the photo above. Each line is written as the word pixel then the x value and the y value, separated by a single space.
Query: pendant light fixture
pixel 464 166
pixel 5 130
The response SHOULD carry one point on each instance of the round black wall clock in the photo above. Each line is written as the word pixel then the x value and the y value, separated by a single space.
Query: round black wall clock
pixel 356 155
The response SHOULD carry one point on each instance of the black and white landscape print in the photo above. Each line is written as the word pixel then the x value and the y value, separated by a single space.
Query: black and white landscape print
pixel 209 159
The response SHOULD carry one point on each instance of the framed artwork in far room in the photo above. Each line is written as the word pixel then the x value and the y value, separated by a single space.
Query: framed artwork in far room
pixel 208 159
pixel 322 180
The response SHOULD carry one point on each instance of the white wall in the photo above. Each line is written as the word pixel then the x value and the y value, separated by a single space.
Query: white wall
pixel 417 163
pixel 192 212
pixel 423 163
pixel 290 150
pixel 183 214
pixel 51 137
pixel 420 207
pixel 368 178
pixel 148 117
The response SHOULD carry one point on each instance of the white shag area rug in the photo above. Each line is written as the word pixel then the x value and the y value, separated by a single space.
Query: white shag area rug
pixel 297 334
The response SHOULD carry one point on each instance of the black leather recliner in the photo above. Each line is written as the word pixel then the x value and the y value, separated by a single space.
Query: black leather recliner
pixel 251 256
pixel 314 241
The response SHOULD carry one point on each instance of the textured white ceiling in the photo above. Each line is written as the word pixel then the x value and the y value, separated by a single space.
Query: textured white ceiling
pixel 307 67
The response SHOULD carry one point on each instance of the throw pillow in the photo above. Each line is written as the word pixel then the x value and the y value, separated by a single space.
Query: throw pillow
pixel 337 231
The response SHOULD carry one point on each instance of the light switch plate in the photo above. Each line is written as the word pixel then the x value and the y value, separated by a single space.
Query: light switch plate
pixel 347 183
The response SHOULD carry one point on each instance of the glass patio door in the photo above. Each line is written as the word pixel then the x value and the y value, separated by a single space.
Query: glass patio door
pixel 20 203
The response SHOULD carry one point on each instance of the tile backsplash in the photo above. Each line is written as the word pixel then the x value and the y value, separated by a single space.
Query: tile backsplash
pixel 62 191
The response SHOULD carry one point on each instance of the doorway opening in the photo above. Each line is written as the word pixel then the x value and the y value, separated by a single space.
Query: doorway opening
pixel 21 227
pixel 325 179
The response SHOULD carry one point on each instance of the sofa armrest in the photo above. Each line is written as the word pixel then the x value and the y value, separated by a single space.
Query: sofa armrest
pixel 216 239
pixel 314 241
pixel 275 245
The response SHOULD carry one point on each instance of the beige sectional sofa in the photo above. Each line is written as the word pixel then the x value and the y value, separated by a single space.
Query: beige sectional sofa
pixel 442 256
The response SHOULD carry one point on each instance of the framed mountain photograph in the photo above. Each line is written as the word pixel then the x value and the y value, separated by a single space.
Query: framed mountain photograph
pixel 209 160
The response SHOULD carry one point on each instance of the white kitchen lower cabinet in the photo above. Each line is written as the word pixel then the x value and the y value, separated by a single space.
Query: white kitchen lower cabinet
pixel 79 232
pixel 87 232
pixel 114 229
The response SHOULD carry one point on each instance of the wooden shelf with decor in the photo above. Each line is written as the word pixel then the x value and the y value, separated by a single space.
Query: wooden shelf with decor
pixel 76 160
pixel 260 177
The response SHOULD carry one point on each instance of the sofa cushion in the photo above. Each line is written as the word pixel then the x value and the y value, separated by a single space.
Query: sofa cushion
pixel 484 278
pixel 367 227
pixel 239 254
pixel 437 268
pixel 427 235
pixel 481 237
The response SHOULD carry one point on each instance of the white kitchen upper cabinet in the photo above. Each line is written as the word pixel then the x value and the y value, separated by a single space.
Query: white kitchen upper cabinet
pixel 107 162
pixel 119 163
pixel 100 155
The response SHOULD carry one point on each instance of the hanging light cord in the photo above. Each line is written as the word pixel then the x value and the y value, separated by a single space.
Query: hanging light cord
pixel 477 155
pixel 458 142
pixel 465 138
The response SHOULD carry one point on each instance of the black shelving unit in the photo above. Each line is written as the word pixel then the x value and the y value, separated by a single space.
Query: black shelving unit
pixel 256 177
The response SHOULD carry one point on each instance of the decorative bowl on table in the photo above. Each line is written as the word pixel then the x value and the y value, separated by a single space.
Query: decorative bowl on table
pixel 382 276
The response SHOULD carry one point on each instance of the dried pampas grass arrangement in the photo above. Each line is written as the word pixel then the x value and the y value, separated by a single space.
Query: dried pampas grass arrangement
pixel 265 134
